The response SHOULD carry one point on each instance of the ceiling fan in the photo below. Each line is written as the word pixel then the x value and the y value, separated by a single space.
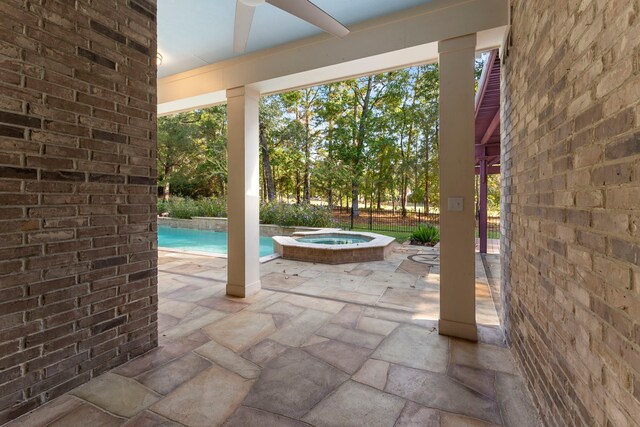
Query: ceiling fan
pixel 303 9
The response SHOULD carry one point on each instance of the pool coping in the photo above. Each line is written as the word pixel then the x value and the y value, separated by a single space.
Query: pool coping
pixel 262 259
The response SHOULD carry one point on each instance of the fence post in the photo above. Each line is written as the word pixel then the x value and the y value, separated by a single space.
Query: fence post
pixel 370 218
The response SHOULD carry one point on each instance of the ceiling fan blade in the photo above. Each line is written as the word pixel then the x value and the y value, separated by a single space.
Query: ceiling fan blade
pixel 311 13
pixel 244 17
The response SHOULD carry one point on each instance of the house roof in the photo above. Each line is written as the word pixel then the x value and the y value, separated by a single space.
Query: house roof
pixel 487 112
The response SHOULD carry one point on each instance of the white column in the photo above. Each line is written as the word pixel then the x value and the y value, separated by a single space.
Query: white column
pixel 457 174
pixel 243 200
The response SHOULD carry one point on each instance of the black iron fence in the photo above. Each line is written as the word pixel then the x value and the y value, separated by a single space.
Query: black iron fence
pixel 397 221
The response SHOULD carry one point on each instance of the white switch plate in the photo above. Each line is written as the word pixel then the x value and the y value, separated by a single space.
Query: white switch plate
pixel 455 204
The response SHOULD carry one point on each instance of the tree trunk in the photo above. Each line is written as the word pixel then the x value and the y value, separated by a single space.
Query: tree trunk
pixel 307 157
pixel 266 165
pixel 360 138
pixel 298 187
pixel 355 187
pixel 426 180
pixel 403 195
pixel 165 192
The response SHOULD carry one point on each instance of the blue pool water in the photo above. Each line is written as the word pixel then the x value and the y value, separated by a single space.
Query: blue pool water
pixel 215 242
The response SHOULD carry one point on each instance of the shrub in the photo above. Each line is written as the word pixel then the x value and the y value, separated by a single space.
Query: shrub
pixel 163 206
pixel 427 234
pixel 303 215
pixel 189 208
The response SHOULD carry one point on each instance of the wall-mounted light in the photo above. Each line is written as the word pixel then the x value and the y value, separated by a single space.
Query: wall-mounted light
pixel 159 59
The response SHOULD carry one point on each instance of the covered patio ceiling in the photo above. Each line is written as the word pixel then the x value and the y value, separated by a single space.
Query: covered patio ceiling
pixel 202 33
pixel 393 37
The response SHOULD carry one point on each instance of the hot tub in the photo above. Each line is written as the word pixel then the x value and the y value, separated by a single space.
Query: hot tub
pixel 333 246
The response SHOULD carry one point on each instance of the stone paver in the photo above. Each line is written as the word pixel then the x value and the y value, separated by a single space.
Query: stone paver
pixel 355 404
pixel 263 352
pixel 193 323
pixel 251 417
pixel 168 377
pixel 282 281
pixel 441 392
pixel 117 394
pixel 376 326
pixel 228 359
pixel 298 331
pixel 514 402
pixel 241 330
pixel 48 413
pixel 411 299
pixel 455 420
pixel 348 317
pixel 293 383
pixel 353 357
pixel 415 347
pixel 328 306
pixel 373 373
pixel 482 356
pixel 352 336
pixel 415 415
pixel 206 400
pixel 346 357
pixel 150 419
pixel 481 380
pixel 87 415
pixel 162 354
pixel 222 304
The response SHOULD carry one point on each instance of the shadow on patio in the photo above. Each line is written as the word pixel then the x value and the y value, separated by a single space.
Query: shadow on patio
pixel 343 345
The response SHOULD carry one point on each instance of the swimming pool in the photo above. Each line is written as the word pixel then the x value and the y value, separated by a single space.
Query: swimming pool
pixel 215 242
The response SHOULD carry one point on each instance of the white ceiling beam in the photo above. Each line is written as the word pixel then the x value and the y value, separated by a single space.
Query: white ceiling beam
pixel 390 42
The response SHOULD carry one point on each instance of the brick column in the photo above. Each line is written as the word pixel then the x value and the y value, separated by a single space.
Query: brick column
pixel 77 194
pixel 457 177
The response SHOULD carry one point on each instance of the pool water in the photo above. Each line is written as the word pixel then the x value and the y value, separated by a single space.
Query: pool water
pixel 215 242
pixel 334 240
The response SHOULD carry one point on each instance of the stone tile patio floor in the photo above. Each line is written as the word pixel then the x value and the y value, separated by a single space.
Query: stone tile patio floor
pixel 346 345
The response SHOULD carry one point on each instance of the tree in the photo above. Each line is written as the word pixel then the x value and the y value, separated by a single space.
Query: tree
pixel 176 145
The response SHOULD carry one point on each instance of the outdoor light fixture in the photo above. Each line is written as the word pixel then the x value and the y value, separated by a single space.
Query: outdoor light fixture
pixel 158 59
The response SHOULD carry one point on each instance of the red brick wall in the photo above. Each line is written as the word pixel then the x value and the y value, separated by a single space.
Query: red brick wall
pixel 571 162
pixel 77 193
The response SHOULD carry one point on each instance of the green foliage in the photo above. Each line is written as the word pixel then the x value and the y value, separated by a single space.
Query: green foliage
pixel 163 206
pixel 373 136
pixel 427 234
pixel 192 152
pixel 189 208
pixel 303 215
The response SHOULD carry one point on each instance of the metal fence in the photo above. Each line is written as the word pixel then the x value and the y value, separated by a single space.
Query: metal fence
pixel 395 221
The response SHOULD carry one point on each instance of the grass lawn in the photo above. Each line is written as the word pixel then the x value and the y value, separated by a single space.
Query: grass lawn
pixel 400 236
pixel 490 234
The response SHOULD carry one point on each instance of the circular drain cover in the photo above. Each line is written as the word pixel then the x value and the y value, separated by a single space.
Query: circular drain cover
pixel 425 258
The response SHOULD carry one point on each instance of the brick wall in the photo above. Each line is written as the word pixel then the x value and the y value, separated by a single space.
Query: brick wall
pixel 77 193
pixel 571 162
